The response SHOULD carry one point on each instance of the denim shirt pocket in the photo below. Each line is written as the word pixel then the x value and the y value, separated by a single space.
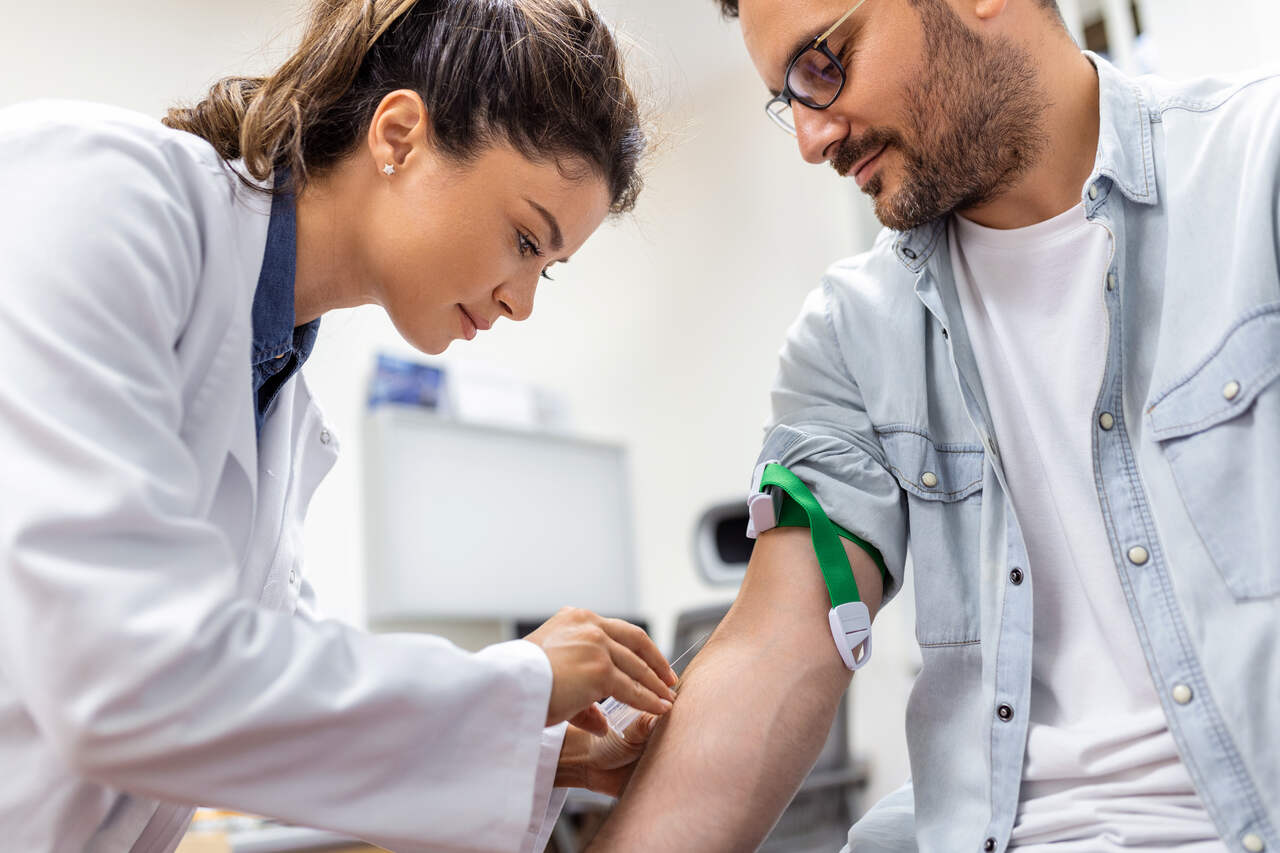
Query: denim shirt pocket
pixel 943 484
pixel 1219 429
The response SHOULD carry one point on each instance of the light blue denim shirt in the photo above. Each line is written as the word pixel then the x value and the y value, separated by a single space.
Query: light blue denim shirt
pixel 878 386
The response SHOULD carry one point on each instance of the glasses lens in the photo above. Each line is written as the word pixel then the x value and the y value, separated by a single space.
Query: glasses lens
pixel 780 111
pixel 815 78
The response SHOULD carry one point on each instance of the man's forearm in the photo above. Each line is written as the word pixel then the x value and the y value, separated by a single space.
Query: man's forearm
pixel 754 709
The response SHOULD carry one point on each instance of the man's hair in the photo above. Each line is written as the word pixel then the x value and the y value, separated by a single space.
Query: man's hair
pixel 729 8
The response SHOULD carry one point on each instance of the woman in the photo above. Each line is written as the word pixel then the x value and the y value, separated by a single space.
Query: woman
pixel 159 289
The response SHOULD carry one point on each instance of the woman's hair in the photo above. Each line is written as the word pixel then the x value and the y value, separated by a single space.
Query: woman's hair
pixel 544 76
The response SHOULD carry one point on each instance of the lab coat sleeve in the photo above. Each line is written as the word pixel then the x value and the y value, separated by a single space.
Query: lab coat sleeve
pixel 548 800
pixel 121 628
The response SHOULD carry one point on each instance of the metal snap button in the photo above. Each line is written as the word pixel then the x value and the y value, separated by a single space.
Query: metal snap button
pixel 1015 577
pixel 1106 420
pixel 1005 713
pixel 1231 390
pixel 909 252
pixel 1253 843
pixel 989 845
pixel 1112 281
pixel 1093 191
pixel 929 479
pixel 1138 555
pixel 325 436
pixel 1181 694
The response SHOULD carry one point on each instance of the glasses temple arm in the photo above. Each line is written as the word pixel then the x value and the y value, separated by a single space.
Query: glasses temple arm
pixel 820 39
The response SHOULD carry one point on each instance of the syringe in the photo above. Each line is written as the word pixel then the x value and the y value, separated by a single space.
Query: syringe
pixel 621 715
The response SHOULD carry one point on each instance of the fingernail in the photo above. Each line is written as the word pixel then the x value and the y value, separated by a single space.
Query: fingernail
pixel 666 706
pixel 671 694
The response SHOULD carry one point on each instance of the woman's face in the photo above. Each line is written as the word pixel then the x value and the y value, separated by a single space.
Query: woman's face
pixel 450 248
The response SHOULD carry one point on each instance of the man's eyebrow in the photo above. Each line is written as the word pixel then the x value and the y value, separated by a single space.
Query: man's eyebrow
pixel 800 45
pixel 557 238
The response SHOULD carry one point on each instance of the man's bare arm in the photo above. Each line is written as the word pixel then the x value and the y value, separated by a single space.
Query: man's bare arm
pixel 754 709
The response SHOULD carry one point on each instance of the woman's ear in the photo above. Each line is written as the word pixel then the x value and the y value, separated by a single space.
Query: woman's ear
pixel 399 126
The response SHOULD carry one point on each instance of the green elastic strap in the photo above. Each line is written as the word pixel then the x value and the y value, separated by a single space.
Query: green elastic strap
pixel 801 509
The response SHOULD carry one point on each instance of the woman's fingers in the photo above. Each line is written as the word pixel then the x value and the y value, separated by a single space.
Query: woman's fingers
pixel 592 720
pixel 630 664
pixel 638 641
pixel 626 689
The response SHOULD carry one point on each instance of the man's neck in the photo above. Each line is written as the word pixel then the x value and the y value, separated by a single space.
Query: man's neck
pixel 1053 185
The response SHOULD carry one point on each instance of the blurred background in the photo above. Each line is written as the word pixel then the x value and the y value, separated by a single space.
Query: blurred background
pixel 641 389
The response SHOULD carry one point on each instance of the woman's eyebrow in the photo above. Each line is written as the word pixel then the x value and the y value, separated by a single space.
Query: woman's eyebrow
pixel 557 238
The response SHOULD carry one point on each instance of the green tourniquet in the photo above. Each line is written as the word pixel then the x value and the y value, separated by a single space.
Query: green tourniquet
pixel 801 509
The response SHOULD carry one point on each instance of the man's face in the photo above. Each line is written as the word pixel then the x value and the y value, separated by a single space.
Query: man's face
pixel 934 117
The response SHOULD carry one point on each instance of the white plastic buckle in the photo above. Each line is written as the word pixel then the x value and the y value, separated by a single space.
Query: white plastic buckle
pixel 762 507
pixel 851 628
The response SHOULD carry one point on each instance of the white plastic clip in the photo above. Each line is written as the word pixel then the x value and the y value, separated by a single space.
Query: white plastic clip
pixel 851 628
pixel 762 507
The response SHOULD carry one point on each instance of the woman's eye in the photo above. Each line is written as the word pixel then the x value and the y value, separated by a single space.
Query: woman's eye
pixel 527 246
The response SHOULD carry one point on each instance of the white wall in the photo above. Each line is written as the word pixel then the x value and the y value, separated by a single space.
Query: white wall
pixel 1194 38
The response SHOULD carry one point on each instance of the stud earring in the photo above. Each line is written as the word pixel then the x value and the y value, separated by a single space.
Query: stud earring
pixel 389 170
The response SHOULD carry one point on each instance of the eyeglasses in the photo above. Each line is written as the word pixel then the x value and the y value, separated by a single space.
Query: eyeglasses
pixel 815 77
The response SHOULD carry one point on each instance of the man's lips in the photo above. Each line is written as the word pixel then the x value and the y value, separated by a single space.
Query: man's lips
pixel 861 174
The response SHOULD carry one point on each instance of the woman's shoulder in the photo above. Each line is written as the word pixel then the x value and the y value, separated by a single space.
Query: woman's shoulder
pixel 57 136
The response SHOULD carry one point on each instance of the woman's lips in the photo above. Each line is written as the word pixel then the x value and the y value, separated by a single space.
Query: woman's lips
pixel 862 173
pixel 469 326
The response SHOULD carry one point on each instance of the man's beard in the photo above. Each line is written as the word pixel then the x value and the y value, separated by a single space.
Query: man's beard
pixel 973 122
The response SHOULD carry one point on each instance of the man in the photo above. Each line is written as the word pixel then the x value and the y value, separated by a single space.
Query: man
pixel 1055 380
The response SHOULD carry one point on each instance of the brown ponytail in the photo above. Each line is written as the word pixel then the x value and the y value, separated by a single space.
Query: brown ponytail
pixel 544 76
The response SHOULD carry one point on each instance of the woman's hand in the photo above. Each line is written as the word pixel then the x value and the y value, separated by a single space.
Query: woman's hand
pixel 602 764
pixel 592 658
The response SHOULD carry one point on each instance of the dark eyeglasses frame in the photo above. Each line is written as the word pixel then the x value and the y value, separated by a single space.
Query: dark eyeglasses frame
pixel 786 96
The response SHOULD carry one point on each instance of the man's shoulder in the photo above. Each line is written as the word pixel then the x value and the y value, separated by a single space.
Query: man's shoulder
pixel 1218 96
pixel 873 287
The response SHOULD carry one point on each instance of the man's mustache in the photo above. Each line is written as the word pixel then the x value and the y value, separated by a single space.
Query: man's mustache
pixel 853 150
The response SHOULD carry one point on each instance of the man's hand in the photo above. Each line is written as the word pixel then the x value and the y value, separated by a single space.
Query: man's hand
pixel 602 763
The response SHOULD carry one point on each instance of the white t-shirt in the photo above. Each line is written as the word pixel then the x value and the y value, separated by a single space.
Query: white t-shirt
pixel 1101 772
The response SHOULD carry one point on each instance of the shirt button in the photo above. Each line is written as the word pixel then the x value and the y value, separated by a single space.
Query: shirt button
pixel 929 479
pixel 1106 420
pixel 1112 281
pixel 325 436
pixel 1005 713
pixel 1181 694
pixel 1138 555
pixel 989 845
pixel 1231 390
pixel 1015 577
pixel 1093 193
pixel 1253 843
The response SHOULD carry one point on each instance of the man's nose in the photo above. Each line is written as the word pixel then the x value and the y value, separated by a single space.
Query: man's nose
pixel 816 130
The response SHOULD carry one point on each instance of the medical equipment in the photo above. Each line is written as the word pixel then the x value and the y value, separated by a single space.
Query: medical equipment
pixel 621 715
pixel 780 499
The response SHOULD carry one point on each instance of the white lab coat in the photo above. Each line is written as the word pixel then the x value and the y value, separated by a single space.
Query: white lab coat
pixel 157 645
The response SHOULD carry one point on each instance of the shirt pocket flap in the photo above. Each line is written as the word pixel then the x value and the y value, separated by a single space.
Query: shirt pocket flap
pixel 1226 383
pixel 934 472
